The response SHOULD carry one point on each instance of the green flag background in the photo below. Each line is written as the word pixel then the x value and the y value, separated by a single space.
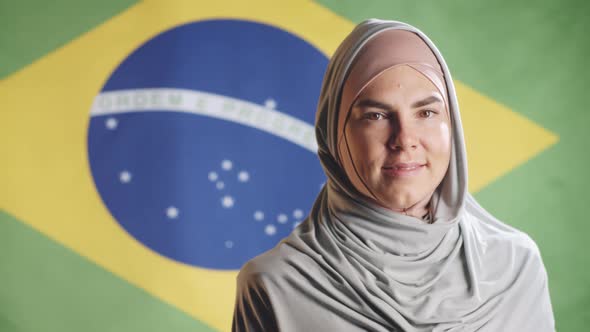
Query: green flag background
pixel 529 57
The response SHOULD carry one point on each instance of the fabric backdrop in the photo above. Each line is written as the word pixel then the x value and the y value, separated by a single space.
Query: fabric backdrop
pixel 148 149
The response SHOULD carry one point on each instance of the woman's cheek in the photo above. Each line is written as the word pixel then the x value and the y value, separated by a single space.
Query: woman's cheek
pixel 443 139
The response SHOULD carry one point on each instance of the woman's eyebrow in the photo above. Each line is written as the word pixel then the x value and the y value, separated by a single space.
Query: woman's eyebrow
pixel 426 101
pixel 372 103
pixel 367 102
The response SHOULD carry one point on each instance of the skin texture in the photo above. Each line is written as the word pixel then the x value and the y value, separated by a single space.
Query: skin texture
pixel 386 129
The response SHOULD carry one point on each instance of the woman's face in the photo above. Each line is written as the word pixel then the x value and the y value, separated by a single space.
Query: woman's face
pixel 399 138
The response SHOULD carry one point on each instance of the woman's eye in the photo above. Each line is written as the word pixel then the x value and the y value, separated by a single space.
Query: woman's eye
pixel 375 116
pixel 427 113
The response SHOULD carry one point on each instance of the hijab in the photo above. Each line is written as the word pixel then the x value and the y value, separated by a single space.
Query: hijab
pixel 353 265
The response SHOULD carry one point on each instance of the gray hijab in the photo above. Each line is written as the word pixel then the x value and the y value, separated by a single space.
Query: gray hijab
pixel 355 266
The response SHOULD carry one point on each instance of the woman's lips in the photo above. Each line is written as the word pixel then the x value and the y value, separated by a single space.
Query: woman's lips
pixel 403 169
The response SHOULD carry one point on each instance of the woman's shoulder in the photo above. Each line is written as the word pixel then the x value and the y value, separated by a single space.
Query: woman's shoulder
pixel 495 232
pixel 265 264
pixel 272 265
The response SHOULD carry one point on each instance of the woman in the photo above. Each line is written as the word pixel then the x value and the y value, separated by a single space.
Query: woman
pixel 394 241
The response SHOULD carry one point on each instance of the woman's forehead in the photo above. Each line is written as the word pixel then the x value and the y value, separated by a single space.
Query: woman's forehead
pixel 399 88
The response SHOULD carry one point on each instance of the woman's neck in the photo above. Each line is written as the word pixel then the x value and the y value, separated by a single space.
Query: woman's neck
pixel 418 210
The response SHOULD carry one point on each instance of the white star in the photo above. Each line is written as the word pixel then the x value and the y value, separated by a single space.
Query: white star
pixel 243 176
pixel 227 201
pixel 270 230
pixel 172 212
pixel 229 244
pixel 219 185
pixel 213 176
pixel 111 123
pixel 125 177
pixel 226 165
pixel 297 214
pixel 258 215
pixel 282 218
pixel 270 103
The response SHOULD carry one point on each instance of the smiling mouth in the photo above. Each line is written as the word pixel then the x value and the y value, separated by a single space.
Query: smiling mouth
pixel 403 169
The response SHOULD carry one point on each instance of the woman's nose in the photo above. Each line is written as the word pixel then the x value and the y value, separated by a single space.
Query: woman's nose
pixel 403 135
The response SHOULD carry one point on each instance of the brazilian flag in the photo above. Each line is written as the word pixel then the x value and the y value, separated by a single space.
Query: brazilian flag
pixel 148 149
